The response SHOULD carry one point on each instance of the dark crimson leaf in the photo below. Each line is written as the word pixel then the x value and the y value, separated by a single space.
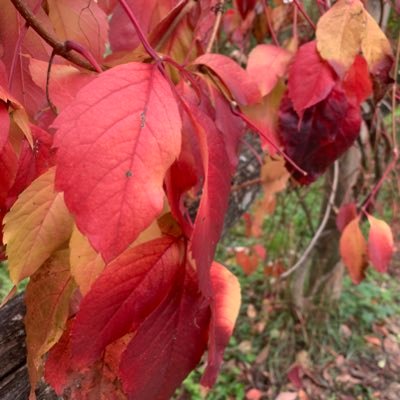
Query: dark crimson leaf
pixel 168 345
pixel 245 6
pixel 325 132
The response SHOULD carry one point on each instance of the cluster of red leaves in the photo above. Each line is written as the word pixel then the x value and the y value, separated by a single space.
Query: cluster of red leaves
pixel 124 296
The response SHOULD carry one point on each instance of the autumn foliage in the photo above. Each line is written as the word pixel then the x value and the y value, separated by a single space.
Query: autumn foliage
pixel 114 117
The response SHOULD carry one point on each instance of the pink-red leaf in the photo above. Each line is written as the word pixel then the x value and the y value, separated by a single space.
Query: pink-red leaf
pixel 242 88
pixel 129 289
pixel 311 79
pixel 347 213
pixel 122 33
pixel 225 307
pixel 4 125
pixel 115 144
pixel 64 83
pixel 81 21
pixel 214 199
pixel 353 249
pixel 168 345
pixel 266 64
pixel 380 244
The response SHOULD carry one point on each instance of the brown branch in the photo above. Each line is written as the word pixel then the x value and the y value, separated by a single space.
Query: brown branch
pixel 58 46
pixel 219 10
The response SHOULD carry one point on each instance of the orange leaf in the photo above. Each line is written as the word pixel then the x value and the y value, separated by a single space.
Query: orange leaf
pixel 37 224
pixel 86 263
pixel 353 249
pixel 47 306
pixel 380 244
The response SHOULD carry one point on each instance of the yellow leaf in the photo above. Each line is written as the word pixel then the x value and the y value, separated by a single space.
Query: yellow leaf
pixel 47 301
pixel 375 45
pixel 86 263
pixel 37 224
pixel 339 33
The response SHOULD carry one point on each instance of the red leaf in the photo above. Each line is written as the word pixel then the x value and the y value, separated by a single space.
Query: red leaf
pixel 128 290
pixel 245 6
pixel 311 79
pixel 65 81
pixel 214 200
pixel 100 382
pixel 266 64
pixel 357 82
pixel 58 363
pixel 11 29
pixel 326 131
pixel 353 249
pixel 225 307
pixel 8 170
pixel 168 345
pixel 347 213
pixel 243 89
pixel 4 124
pixel 112 173
pixel 380 244
pixel 123 35
pixel 32 162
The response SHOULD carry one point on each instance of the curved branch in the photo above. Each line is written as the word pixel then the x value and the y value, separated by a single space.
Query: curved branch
pixel 321 228
pixel 58 46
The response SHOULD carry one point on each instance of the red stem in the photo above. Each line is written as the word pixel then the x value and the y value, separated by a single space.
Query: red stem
pixel 375 190
pixel 142 37
pixel 254 128
pixel 270 27
pixel 303 12
pixel 85 53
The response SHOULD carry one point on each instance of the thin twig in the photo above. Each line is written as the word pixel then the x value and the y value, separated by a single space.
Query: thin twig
pixel 57 45
pixel 219 10
pixel 321 228
pixel 51 104
pixel 270 26
pixel 305 210
pixel 253 127
pixel 304 13
pixel 394 90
